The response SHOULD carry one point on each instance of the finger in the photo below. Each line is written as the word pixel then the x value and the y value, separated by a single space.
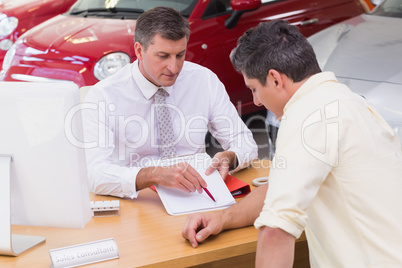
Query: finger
pixel 193 241
pixel 184 186
pixel 174 178
pixel 189 231
pixel 195 178
pixel 224 172
pixel 179 182
pixel 189 187
pixel 190 234
pixel 215 163
pixel 210 170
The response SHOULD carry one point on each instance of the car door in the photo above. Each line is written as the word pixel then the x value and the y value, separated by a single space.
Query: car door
pixel 310 16
pixel 327 13
pixel 205 44
pixel 298 12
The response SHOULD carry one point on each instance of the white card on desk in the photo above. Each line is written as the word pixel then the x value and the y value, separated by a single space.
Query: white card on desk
pixel 177 202
pixel 83 254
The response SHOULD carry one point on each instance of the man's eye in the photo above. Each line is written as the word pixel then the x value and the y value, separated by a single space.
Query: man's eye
pixel 163 56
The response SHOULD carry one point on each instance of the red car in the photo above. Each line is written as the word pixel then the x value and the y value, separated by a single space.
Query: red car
pixel 94 39
pixel 18 16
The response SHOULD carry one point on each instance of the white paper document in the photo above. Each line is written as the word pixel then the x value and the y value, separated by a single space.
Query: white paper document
pixel 177 202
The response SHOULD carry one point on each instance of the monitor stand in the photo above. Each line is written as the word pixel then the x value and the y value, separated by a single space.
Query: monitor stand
pixel 11 245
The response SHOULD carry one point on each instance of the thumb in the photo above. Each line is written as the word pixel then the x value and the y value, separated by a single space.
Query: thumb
pixel 203 234
pixel 215 163
pixel 224 173
pixel 210 170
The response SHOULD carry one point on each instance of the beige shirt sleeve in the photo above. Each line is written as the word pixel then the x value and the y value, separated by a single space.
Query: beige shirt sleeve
pixel 308 136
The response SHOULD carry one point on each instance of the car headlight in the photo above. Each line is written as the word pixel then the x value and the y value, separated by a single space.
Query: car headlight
pixel 5 44
pixel 7 25
pixel 110 64
pixel 9 57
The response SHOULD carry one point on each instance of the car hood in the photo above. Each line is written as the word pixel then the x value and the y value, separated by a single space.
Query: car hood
pixel 370 50
pixel 365 53
pixel 86 37
pixel 384 96
pixel 24 9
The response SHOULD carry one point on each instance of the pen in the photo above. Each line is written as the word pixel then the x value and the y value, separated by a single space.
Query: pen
pixel 210 195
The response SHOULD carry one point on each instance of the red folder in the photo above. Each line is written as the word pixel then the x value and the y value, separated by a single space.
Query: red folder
pixel 237 188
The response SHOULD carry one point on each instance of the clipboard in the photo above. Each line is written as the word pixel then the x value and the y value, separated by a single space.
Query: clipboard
pixel 177 202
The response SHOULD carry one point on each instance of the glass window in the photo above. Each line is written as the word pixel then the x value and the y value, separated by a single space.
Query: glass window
pixel 389 8
pixel 118 7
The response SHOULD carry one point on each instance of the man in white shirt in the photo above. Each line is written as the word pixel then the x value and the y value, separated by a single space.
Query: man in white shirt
pixel 121 125
pixel 342 182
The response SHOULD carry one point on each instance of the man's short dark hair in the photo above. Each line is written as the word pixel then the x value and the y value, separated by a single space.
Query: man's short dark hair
pixel 274 45
pixel 166 21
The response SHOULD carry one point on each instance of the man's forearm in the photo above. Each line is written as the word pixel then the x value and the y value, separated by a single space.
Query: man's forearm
pixel 144 178
pixel 249 208
pixel 275 248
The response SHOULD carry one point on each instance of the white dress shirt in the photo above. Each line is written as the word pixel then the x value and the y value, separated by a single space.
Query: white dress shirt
pixel 337 174
pixel 120 124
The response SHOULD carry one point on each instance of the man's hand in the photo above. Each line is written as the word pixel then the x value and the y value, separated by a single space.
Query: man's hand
pixel 200 226
pixel 179 176
pixel 222 162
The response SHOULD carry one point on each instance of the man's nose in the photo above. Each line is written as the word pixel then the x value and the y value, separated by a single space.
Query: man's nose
pixel 256 101
pixel 173 65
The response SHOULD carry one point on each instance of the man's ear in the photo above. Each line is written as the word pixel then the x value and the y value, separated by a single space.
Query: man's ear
pixel 276 78
pixel 138 49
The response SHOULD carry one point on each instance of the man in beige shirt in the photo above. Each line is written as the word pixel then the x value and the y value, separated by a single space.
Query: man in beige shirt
pixel 342 178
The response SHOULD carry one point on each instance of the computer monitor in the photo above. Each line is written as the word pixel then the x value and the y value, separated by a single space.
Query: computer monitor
pixel 43 175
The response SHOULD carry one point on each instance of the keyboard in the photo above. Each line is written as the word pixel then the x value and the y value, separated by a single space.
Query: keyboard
pixel 105 208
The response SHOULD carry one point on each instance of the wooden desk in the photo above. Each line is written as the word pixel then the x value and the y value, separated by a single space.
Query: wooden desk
pixel 147 236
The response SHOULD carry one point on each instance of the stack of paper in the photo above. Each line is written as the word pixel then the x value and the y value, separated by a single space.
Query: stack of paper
pixel 177 202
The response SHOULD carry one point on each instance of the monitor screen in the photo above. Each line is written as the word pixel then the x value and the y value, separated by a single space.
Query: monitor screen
pixel 41 129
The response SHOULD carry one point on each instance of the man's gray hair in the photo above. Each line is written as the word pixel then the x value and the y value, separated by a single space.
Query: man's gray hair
pixel 165 21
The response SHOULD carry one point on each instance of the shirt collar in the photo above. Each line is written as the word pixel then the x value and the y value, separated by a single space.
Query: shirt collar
pixel 147 88
pixel 312 83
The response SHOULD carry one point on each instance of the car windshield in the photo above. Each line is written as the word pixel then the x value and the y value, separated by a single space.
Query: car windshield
pixel 389 8
pixel 129 9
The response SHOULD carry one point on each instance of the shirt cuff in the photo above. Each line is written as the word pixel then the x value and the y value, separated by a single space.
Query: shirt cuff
pixel 130 188
pixel 271 219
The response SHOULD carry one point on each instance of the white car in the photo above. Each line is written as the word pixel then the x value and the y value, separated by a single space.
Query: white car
pixel 365 53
